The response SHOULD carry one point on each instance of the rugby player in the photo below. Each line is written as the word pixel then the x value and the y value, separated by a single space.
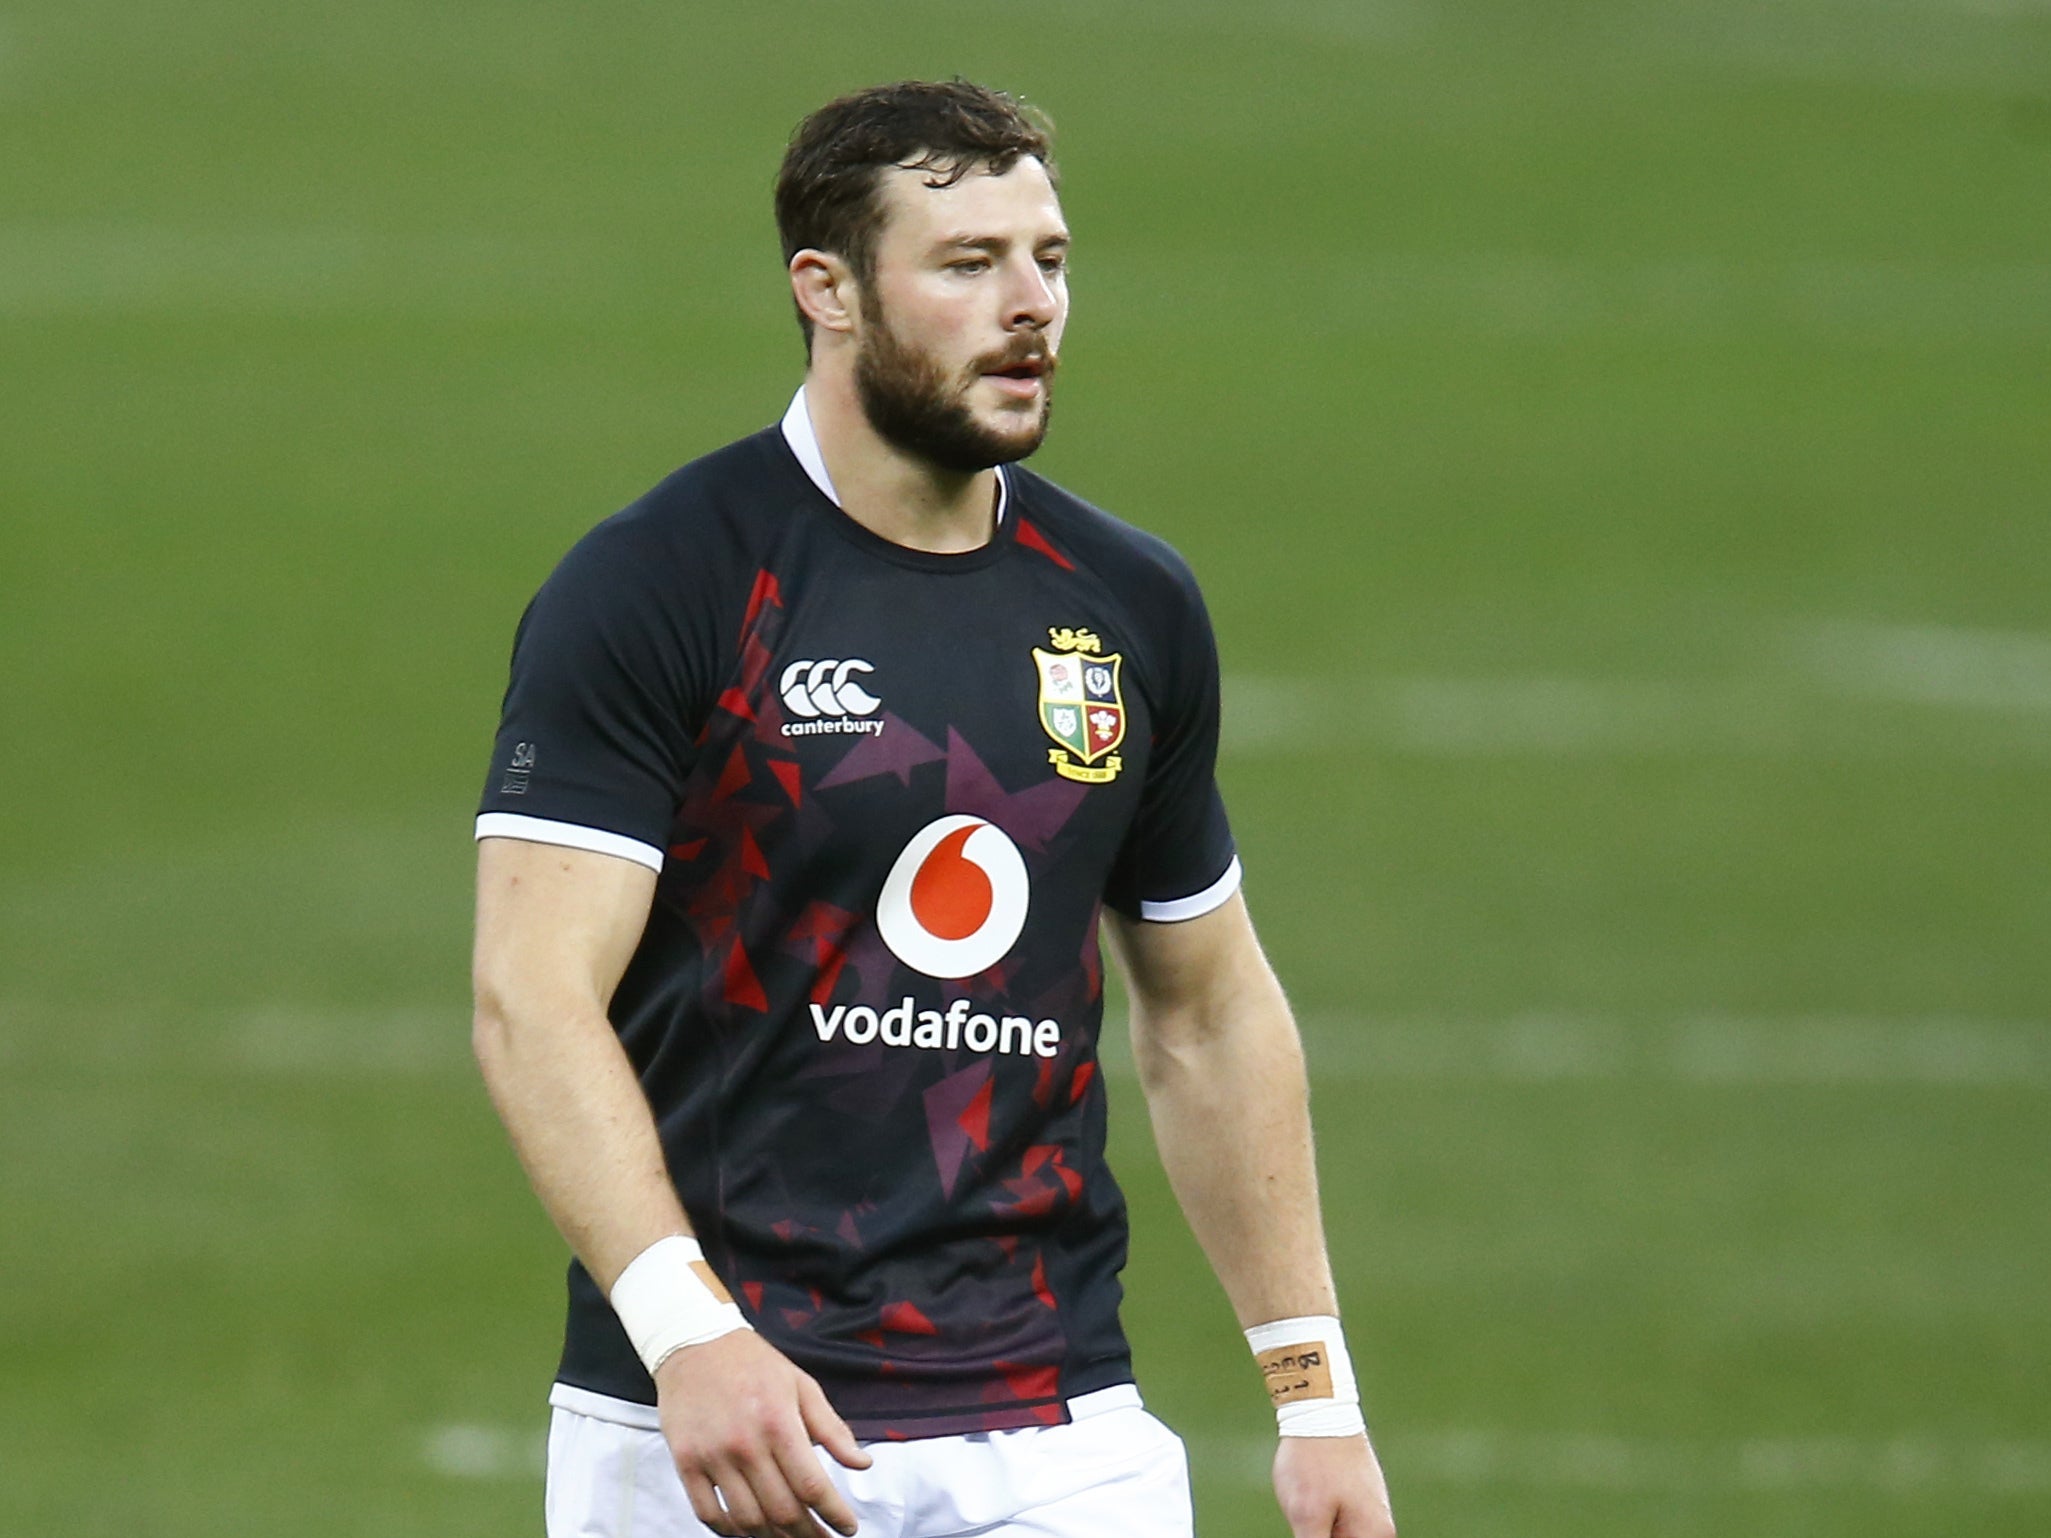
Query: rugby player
pixel 820 769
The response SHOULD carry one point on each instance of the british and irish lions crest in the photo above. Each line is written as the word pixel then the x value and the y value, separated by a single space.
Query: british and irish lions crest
pixel 1081 705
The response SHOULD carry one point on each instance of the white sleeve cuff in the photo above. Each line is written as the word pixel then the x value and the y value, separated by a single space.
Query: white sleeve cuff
pixel 1178 909
pixel 568 835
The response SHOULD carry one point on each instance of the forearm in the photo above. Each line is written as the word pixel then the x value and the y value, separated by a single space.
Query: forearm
pixel 1226 1089
pixel 1222 1068
pixel 581 1127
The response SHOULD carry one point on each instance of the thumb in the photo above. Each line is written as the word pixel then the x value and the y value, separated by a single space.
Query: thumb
pixel 824 1425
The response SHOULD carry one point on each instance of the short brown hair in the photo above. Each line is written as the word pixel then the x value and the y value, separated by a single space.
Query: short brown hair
pixel 826 190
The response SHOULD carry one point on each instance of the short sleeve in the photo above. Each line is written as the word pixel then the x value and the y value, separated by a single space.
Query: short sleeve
pixel 1178 861
pixel 594 739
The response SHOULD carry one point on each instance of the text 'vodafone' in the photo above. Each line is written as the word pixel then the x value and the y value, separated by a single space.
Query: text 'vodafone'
pixel 906 1025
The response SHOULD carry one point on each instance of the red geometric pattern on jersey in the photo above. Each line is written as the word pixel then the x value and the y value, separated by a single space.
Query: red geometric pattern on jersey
pixel 1032 817
pixel 1031 538
pixel 718 863
pixel 1043 1183
pixel 1079 1083
pixel 819 937
pixel 897 750
pixel 766 591
pixel 907 1319
pixel 974 1120
pixel 739 986
pixel 947 1107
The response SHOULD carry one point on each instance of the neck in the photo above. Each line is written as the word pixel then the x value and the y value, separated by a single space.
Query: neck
pixel 907 500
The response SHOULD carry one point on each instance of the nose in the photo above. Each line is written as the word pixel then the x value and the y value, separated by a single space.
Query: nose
pixel 1033 304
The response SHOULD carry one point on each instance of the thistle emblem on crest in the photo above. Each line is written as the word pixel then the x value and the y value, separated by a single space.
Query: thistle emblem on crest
pixel 1082 705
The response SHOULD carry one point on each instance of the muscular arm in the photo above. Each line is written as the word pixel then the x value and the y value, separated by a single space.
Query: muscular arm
pixel 1222 1069
pixel 555 931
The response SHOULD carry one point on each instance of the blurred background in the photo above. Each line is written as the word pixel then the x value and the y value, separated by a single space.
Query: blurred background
pixel 1616 440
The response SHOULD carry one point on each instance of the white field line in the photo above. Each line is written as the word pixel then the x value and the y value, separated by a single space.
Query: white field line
pixel 1704 1051
pixel 401 1042
pixel 1866 676
pixel 1535 1047
pixel 285 1041
pixel 1546 716
pixel 1995 305
pixel 1478 1458
pixel 467 1450
pixel 2008 671
pixel 53 268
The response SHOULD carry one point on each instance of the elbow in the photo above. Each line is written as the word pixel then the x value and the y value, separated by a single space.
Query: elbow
pixel 1151 1066
pixel 1164 1051
pixel 491 1028
pixel 488 1041
pixel 1256 1051
pixel 519 1024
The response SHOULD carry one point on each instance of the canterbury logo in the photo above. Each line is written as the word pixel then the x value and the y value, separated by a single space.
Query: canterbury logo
pixel 828 689
pixel 826 696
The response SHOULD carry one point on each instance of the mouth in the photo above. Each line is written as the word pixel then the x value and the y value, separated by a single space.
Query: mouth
pixel 1020 377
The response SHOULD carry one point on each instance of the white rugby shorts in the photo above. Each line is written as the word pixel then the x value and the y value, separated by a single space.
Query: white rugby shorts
pixel 1112 1470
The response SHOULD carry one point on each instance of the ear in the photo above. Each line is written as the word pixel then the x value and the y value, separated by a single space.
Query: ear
pixel 824 288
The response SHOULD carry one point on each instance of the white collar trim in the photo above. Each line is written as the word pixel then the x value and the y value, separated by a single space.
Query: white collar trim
pixel 804 442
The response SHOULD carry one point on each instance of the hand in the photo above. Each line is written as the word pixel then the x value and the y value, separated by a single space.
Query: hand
pixel 1332 1487
pixel 740 1420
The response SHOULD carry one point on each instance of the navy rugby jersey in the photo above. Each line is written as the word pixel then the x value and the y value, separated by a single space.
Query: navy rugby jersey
pixel 887 793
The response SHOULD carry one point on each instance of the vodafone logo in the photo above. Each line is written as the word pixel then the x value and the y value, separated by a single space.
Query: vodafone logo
pixel 954 905
pixel 955 901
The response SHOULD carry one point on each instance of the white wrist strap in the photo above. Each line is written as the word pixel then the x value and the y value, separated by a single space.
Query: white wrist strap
pixel 1309 1376
pixel 668 1298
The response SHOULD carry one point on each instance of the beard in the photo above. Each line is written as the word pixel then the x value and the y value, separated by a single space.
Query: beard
pixel 908 399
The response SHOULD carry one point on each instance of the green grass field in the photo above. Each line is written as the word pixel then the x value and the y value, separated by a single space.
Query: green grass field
pixel 1615 437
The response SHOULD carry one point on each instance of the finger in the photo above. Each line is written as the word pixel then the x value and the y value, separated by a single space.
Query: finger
pixel 705 1503
pixel 824 1426
pixel 807 1479
pixel 783 1513
pixel 743 1511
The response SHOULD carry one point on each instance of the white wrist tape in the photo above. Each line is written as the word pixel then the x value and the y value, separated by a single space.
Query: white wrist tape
pixel 1309 1376
pixel 668 1298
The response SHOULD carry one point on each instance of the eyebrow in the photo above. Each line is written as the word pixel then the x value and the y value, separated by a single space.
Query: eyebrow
pixel 996 243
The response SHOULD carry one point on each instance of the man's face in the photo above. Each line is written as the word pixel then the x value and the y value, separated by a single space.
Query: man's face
pixel 961 322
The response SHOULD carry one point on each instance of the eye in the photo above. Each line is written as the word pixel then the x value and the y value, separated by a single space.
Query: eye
pixel 1054 262
pixel 969 266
